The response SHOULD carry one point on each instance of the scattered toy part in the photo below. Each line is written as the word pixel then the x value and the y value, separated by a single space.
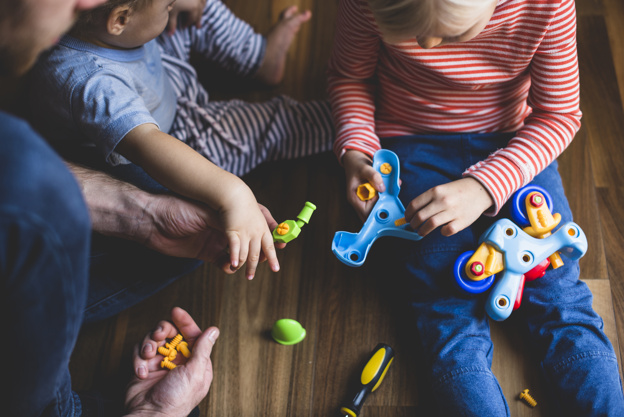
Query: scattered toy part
pixel 290 229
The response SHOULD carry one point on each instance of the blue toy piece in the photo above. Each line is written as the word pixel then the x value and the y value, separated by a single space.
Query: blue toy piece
pixel 384 219
pixel 518 207
pixel 521 254
pixel 465 283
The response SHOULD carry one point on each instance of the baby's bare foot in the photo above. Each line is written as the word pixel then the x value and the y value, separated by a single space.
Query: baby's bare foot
pixel 279 39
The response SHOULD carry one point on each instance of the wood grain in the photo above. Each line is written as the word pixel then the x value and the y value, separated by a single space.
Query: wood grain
pixel 347 311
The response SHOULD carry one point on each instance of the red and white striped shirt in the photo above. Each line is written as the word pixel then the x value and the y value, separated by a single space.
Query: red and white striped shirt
pixel 520 74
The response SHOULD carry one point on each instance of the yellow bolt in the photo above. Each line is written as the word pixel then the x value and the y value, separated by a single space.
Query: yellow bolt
pixel 174 342
pixel 166 363
pixel 400 222
pixel 365 191
pixel 385 168
pixel 282 229
pixel 524 395
pixel 183 347
pixel 164 351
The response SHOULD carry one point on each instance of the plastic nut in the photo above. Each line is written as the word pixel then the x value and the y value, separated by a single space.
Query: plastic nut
pixel 365 192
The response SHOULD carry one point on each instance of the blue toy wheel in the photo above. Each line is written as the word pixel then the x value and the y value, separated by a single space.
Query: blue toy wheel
pixel 465 283
pixel 518 207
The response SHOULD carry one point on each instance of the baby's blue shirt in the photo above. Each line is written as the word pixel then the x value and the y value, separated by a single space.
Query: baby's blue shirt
pixel 94 96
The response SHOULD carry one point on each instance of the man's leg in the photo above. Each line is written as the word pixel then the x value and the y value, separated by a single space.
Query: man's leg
pixel 44 236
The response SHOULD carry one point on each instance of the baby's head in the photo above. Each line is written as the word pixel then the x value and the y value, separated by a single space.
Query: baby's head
pixel 124 23
pixel 431 22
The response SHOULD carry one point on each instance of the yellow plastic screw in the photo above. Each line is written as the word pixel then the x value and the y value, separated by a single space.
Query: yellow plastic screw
pixel 385 168
pixel 168 353
pixel 174 342
pixel 166 363
pixel 400 222
pixel 282 229
pixel 524 395
pixel 183 347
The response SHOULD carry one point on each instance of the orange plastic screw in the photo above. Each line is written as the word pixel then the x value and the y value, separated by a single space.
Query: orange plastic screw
pixel 385 168
pixel 282 229
pixel 166 363
pixel 524 395
pixel 183 347
pixel 400 222
pixel 168 353
pixel 174 342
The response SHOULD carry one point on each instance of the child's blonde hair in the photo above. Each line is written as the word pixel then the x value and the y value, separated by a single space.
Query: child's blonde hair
pixel 400 19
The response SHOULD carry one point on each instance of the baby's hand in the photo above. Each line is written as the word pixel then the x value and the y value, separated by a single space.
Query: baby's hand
pixel 186 13
pixel 359 170
pixel 248 234
pixel 454 206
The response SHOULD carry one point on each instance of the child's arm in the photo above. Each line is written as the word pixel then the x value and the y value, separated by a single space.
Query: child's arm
pixel 351 79
pixel 179 168
pixel 553 121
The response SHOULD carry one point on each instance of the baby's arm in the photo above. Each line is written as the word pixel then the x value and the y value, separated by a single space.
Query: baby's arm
pixel 179 168
pixel 454 206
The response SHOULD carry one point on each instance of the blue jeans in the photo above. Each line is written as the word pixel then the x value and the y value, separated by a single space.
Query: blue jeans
pixel 45 239
pixel 577 359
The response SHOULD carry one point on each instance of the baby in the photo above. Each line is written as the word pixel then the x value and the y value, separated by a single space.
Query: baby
pixel 119 85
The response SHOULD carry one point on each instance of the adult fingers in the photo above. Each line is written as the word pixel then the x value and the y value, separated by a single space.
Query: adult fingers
pixel 185 324
pixel 199 365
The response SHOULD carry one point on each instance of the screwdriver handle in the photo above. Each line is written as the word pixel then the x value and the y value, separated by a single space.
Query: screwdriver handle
pixel 373 373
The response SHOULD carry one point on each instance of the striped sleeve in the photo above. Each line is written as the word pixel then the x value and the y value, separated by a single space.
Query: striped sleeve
pixel 554 120
pixel 351 82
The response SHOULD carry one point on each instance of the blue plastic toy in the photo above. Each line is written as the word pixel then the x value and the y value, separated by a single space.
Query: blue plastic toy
pixel 519 254
pixel 386 219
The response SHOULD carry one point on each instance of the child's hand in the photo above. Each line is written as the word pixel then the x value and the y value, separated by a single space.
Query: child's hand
pixel 359 170
pixel 247 231
pixel 454 206
pixel 187 13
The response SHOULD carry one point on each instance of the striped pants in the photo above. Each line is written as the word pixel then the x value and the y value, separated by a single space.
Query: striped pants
pixel 237 135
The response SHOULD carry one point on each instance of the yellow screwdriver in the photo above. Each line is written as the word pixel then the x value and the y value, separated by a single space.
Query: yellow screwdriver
pixel 373 373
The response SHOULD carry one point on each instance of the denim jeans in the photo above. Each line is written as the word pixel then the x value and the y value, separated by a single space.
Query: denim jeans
pixel 576 357
pixel 45 239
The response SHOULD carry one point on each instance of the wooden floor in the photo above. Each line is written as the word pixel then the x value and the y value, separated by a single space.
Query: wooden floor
pixel 347 311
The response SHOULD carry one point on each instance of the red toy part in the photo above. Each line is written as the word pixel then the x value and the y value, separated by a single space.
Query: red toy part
pixel 520 291
pixel 538 271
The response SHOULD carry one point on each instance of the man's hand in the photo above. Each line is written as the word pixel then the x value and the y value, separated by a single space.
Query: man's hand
pixel 454 206
pixel 166 223
pixel 192 230
pixel 154 391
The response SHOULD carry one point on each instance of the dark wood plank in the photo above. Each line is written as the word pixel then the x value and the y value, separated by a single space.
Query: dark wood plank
pixel 602 106
pixel 578 182
pixel 347 311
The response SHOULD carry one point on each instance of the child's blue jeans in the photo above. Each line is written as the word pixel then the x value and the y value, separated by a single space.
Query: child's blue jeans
pixel 577 359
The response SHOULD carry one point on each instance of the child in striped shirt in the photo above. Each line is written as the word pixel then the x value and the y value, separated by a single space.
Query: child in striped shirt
pixel 477 98
pixel 119 85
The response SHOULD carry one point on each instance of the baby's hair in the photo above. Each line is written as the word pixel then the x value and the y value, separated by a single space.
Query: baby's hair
pixel 408 18
pixel 88 18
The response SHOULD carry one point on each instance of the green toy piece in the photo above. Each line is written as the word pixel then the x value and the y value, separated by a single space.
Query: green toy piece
pixel 288 332
pixel 290 229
